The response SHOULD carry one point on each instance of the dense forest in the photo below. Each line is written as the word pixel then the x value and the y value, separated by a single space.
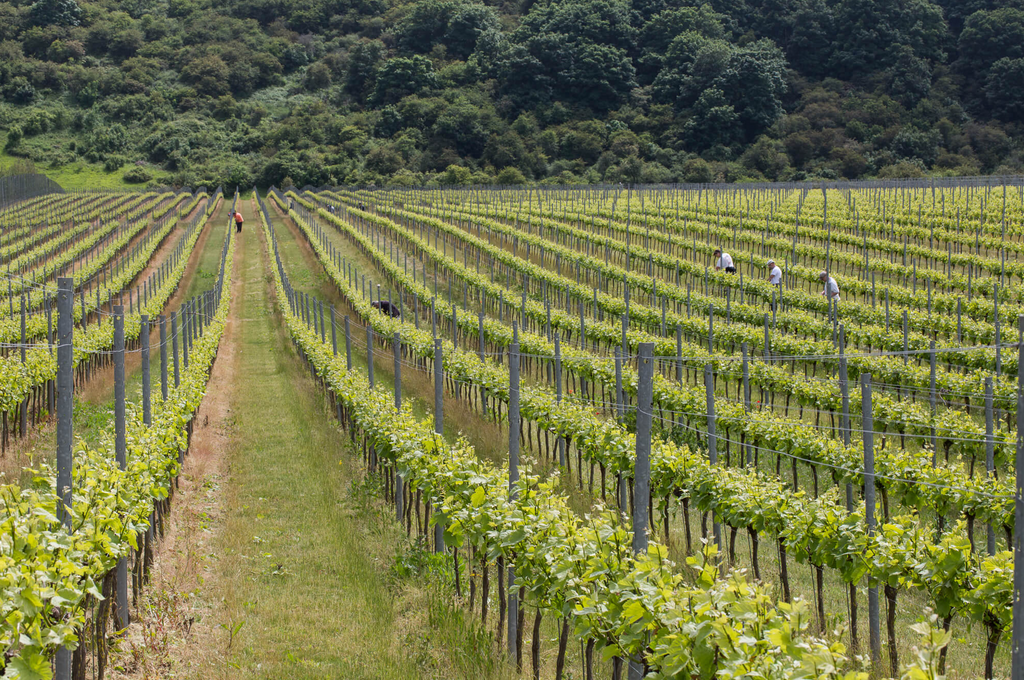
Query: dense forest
pixel 557 91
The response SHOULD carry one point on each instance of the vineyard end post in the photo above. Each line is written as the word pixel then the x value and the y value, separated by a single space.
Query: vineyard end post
pixel 369 354
pixel 348 345
pixel 513 480
pixel 867 425
pixel 123 614
pixel 642 467
pixel 163 357
pixel 334 333
pixel 174 348
pixel 558 394
pixel 438 426
pixel 399 487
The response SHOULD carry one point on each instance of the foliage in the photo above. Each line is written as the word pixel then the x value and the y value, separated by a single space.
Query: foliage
pixel 137 175
pixel 851 88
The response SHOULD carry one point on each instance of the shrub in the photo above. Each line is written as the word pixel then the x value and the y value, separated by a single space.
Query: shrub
pixel 697 171
pixel 511 176
pixel 137 175
pixel 114 162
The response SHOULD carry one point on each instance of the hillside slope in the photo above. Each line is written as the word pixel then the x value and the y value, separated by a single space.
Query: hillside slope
pixel 454 91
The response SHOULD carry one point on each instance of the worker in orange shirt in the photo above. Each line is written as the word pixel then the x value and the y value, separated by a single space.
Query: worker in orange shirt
pixel 238 222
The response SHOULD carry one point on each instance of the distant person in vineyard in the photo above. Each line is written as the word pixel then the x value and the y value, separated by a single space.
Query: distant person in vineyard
pixel 774 273
pixel 386 307
pixel 238 222
pixel 831 291
pixel 724 261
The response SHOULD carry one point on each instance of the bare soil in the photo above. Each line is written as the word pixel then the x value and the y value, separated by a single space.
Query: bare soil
pixel 172 619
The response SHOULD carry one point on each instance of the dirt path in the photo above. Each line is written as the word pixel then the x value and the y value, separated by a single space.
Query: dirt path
pixel 171 619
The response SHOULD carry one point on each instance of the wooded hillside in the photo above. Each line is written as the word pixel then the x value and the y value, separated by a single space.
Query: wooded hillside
pixel 455 91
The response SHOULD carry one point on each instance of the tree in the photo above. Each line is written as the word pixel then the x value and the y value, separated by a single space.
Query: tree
pixel 911 78
pixel 55 12
pixel 317 77
pixel 506 150
pixel 765 158
pixel 658 33
pixel 808 36
pixel 1004 89
pixel 869 31
pixel 697 171
pixel 600 78
pixel 456 25
pixel 724 85
pixel 581 72
pixel 465 27
pixel 209 74
pixel 714 121
pixel 403 76
pixel 602 22
pixel 137 175
pixel 914 144
pixel 384 160
pixel 460 126
pixel 523 79
pixel 511 176
pixel 365 59
pixel 425 25
pixel 756 80
pixel 14 137
pixel 455 174
pixel 988 37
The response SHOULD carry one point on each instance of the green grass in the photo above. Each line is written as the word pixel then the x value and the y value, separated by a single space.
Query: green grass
pixel 305 552
pixel 209 259
pixel 91 176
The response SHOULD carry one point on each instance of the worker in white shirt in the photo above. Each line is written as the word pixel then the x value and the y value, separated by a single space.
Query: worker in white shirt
pixel 831 291
pixel 724 261
pixel 774 273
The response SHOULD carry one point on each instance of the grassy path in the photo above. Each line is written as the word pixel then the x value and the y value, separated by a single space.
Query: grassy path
pixel 300 584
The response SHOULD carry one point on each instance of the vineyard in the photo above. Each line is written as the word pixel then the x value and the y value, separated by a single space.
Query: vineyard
pixel 653 466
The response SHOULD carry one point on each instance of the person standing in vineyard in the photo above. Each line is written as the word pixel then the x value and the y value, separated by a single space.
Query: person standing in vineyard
pixel 238 222
pixel 831 291
pixel 724 261
pixel 774 274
